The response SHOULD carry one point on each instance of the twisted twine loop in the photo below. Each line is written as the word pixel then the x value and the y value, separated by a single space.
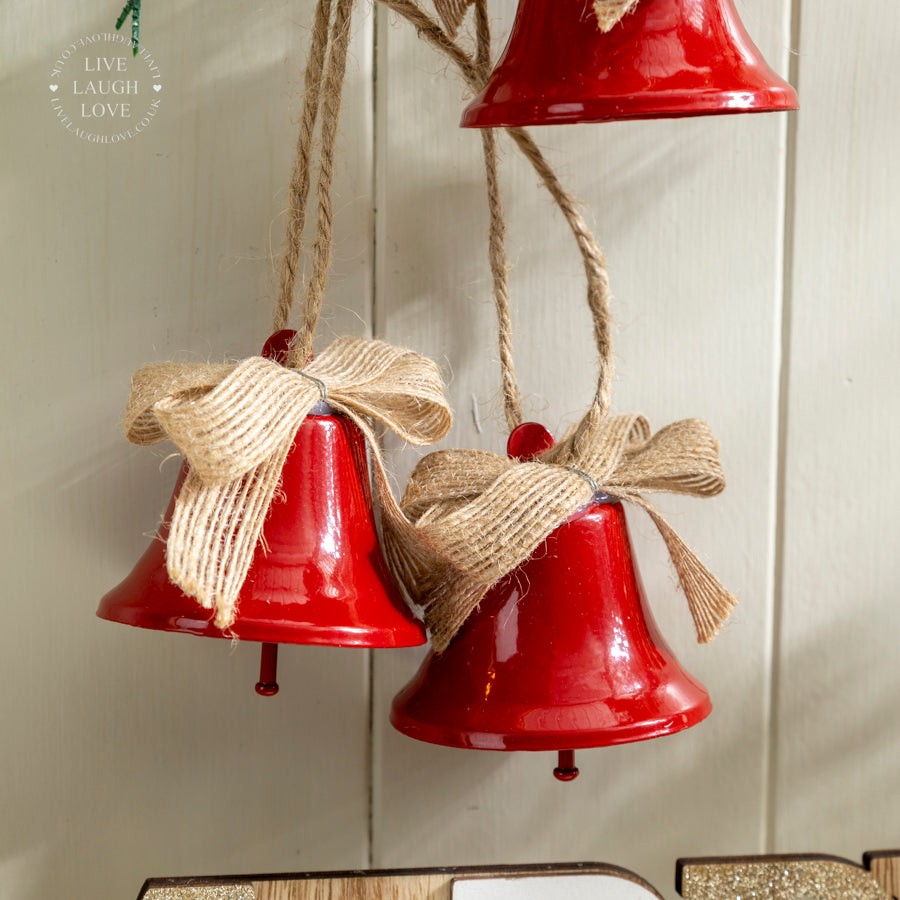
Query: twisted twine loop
pixel 235 425
pixel 483 515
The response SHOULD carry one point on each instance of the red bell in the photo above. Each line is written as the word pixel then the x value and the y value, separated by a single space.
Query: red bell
pixel 321 578
pixel 562 653
pixel 666 58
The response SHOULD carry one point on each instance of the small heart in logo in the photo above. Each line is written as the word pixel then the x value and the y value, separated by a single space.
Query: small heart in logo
pixel 157 87
pixel 54 88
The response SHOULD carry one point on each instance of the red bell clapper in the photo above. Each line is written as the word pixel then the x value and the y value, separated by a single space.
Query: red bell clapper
pixel 665 58
pixel 320 578
pixel 562 653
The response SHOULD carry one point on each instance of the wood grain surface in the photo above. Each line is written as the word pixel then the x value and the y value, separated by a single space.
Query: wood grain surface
pixel 425 887
pixel 409 884
pixel 885 867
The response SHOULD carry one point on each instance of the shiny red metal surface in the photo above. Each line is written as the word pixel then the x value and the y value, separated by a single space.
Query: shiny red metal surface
pixel 321 578
pixel 667 58
pixel 562 653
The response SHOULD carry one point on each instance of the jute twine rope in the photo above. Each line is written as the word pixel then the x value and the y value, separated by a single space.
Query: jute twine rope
pixel 512 401
pixel 452 13
pixel 300 179
pixel 598 292
pixel 328 90
pixel 478 516
pixel 468 517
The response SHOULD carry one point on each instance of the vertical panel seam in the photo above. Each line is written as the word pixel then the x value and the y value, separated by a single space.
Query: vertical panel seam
pixel 373 306
pixel 375 329
pixel 771 836
pixel 370 759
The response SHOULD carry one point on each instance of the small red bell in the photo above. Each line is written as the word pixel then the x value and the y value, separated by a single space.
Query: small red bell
pixel 321 578
pixel 666 58
pixel 562 653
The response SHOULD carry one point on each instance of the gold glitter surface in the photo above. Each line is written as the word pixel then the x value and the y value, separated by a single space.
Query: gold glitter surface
pixel 206 892
pixel 778 879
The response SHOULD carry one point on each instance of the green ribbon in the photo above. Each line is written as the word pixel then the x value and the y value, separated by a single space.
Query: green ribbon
pixel 134 8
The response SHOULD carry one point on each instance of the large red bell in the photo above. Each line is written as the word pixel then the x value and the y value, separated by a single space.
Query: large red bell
pixel 562 653
pixel 320 579
pixel 666 58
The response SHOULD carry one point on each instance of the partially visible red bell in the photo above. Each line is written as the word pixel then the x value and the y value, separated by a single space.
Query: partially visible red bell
pixel 320 579
pixel 562 653
pixel 667 58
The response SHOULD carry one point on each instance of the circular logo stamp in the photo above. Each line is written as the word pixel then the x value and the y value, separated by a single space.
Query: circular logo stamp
pixel 103 94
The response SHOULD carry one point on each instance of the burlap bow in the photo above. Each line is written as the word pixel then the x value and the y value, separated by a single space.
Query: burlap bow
pixel 484 514
pixel 235 425
pixel 608 12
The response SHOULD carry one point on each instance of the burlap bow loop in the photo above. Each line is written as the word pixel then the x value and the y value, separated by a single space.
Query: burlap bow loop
pixel 227 420
pixel 622 452
pixel 235 425
pixel 155 383
pixel 241 422
pixel 483 514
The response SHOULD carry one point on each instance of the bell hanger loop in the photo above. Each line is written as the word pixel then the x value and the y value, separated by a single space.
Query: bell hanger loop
pixel 598 290
pixel 323 88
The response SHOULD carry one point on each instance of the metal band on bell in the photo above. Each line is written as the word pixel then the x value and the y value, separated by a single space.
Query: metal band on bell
pixel 323 389
pixel 587 477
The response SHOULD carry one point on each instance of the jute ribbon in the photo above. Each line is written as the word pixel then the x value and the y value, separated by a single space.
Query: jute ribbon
pixel 235 425
pixel 485 514
pixel 608 12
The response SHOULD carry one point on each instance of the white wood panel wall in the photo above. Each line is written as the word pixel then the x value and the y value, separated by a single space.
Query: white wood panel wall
pixel 129 753
pixel 838 729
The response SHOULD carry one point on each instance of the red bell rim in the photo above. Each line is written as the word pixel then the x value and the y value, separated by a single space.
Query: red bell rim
pixel 321 577
pixel 667 58
pixel 563 653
